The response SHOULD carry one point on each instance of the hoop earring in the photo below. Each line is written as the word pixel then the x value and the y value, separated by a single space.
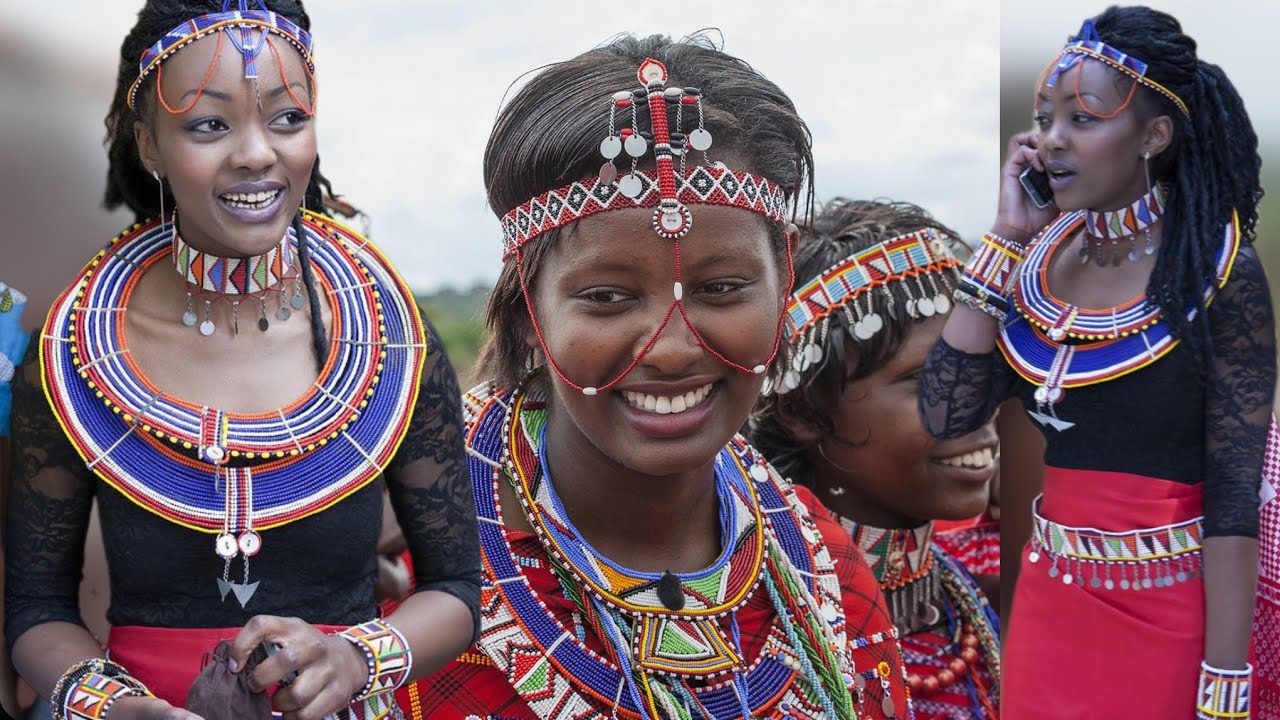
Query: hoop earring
pixel 835 465
pixel 1150 246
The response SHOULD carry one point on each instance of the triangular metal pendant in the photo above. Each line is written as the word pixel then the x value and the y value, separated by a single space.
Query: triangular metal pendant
pixel 224 587
pixel 1051 421
pixel 244 591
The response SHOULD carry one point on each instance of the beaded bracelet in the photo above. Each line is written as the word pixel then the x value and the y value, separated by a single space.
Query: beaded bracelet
pixel 386 652
pixel 89 688
pixel 989 273
pixel 1223 693
pixel 978 304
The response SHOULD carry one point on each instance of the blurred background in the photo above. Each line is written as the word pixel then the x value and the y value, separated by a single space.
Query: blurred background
pixel 901 99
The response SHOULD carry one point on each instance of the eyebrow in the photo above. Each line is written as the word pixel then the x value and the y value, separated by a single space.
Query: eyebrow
pixel 226 97
pixel 1044 97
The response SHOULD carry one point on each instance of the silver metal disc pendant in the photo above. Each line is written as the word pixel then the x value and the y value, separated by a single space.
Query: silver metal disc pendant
pixel 189 318
pixel 700 139
pixel 298 301
pixel 636 145
pixel 283 313
pixel 206 328
pixel 611 147
pixel 630 186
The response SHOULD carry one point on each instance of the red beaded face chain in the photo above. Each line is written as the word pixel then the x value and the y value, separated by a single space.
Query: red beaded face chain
pixel 675 189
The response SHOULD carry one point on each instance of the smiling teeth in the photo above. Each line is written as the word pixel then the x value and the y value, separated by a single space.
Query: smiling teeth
pixel 665 405
pixel 977 459
pixel 250 200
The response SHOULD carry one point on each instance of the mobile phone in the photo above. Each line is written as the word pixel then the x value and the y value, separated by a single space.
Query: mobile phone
pixel 1036 185
pixel 265 650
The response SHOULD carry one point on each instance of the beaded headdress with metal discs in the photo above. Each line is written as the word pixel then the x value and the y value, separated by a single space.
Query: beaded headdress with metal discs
pixel 912 260
pixel 670 190
pixel 247 29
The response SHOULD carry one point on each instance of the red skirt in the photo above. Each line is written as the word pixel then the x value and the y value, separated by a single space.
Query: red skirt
pixel 1078 652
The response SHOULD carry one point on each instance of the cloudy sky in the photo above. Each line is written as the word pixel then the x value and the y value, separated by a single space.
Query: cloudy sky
pixel 901 97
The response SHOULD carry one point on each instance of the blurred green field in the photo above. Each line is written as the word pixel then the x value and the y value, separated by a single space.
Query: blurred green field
pixel 459 318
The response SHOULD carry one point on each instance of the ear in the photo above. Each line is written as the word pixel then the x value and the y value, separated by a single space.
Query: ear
pixel 1158 135
pixel 147 151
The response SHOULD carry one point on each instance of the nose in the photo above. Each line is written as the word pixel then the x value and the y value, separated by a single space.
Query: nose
pixel 676 347
pixel 253 150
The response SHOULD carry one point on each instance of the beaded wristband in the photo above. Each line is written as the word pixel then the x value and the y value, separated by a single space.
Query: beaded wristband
pixel 979 304
pixel 1223 693
pixel 386 652
pixel 989 273
pixel 89 688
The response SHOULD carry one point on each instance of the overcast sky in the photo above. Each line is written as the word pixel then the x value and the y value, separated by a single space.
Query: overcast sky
pixel 901 97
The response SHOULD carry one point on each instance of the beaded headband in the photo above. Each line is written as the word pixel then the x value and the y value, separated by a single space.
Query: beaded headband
pixel 263 20
pixel 838 288
pixel 1088 44
pixel 668 190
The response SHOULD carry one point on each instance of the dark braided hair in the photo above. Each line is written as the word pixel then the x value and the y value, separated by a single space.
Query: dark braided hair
pixel 1212 165
pixel 129 183
pixel 549 135
pixel 841 228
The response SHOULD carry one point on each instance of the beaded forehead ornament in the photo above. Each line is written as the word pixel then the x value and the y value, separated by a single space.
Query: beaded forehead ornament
pixel 248 31
pixel 669 190
pixel 913 258
pixel 1087 44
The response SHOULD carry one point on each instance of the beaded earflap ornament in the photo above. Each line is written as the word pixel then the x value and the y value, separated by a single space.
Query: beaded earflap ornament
pixel 914 260
pixel 669 190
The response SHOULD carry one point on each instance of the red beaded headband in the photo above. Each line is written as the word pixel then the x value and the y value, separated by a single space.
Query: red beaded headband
pixel 668 190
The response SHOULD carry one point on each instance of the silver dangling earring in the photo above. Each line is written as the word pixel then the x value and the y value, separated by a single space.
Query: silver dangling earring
pixel 160 184
pixel 1150 246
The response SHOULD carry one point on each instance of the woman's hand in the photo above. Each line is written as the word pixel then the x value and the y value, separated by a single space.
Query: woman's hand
pixel 329 670
pixel 1017 218
pixel 148 708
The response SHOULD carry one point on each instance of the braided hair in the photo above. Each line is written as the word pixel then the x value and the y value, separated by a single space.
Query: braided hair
pixel 840 229
pixel 549 135
pixel 128 182
pixel 1212 166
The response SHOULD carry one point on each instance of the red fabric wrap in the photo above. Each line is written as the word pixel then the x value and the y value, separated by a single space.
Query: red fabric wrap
pixel 1070 650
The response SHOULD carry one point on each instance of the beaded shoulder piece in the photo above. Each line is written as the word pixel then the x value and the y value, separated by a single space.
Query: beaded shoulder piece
pixel 1056 345
pixel 560 677
pixel 223 472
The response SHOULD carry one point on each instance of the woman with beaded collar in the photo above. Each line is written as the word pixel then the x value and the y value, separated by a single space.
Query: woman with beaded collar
pixel 236 454
pixel 873 290
pixel 1134 321
pixel 641 560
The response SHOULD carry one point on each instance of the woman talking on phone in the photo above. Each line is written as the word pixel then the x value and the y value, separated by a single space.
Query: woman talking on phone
pixel 1131 316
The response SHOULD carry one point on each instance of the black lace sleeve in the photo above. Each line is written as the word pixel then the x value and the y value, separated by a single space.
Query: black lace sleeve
pixel 1238 400
pixel 50 496
pixel 431 487
pixel 960 391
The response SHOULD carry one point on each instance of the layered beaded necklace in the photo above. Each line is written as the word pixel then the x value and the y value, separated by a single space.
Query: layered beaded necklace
pixel 924 585
pixel 661 630
pixel 232 280
pixel 1056 345
pixel 235 475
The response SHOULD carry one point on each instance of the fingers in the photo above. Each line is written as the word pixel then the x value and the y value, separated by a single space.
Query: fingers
pixel 259 629
pixel 149 708
pixel 312 696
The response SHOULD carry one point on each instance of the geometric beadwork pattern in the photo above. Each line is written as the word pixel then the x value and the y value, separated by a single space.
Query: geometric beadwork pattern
pixel 554 671
pixel 232 276
pixel 1266 620
pixel 904 256
pixel 1078 50
pixel 699 185
pixel 198 27
pixel 1129 220
pixel 154 447
pixel 1107 343
pixel 1136 546
pixel 387 653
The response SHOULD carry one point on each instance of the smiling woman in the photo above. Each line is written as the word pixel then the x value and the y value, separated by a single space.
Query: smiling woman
pixel 228 445
pixel 642 560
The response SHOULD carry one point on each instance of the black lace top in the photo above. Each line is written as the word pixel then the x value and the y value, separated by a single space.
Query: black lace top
pixel 1161 421
pixel 321 568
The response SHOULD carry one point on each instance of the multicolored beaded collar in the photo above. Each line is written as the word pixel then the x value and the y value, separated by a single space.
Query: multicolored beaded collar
pixel 225 473
pixel 232 276
pixel 559 677
pixel 922 253
pixel 261 21
pixel 670 190
pixel 1127 221
pixel 1057 345
pixel 1088 44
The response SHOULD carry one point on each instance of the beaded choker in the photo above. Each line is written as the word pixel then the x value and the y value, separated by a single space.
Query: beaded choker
pixel 230 474
pixel 652 649
pixel 1056 345
pixel 810 309
pixel 233 276
pixel 1125 223
pixel 903 564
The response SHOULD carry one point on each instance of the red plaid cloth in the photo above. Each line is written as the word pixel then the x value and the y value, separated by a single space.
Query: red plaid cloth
pixel 1266 619
pixel 977 547
pixel 473 686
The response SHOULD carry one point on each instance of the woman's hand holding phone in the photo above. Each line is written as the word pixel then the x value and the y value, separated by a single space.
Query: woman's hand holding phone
pixel 1018 218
